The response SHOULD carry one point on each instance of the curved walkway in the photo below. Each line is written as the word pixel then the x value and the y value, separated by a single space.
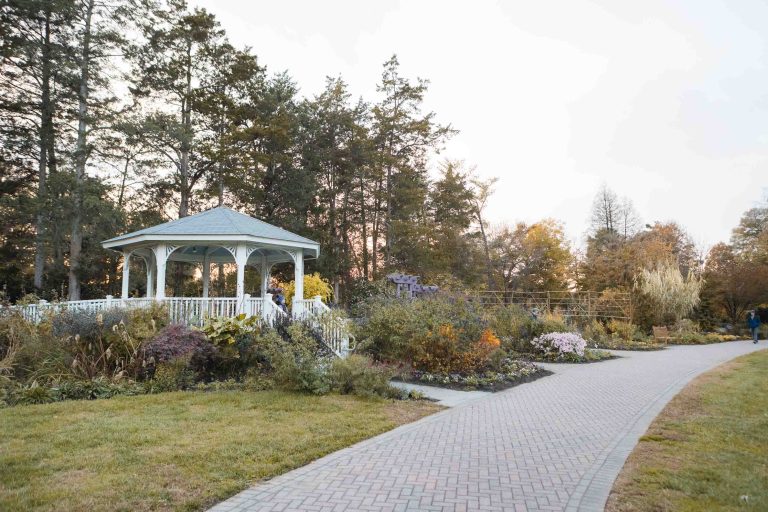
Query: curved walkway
pixel 554 444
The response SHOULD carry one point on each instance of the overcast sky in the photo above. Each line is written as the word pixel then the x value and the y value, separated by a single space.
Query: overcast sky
pixel 664 101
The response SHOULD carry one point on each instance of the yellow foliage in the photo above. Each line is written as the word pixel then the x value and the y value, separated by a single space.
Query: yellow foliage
pixel 489 339
pixel 314 285
pixel 438 352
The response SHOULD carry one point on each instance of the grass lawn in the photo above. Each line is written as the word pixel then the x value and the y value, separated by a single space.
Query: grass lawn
pixel 708 449
pixel 174 451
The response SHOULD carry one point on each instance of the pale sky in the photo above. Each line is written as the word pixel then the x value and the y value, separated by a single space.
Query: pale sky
pixel 664 101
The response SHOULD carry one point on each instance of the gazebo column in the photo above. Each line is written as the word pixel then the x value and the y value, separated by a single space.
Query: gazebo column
pixel 241 258
pixel 150 275
pixel 206 273
pixel 126 273
pixel 298 280
pixel 161 258
pixel 266 275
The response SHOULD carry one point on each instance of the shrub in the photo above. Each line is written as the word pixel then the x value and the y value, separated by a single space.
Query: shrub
pixel 595 331
pixel 173 375
pixel 14 331
pixel 314 285
pixel 33 394
pixel 252 351
pixel 401 329
pixel 558 344
pixel 389 330
pixel 178 341
pixel 87 325
pixel 686 326
pixel 548 323
pixel 142 324
pixel 441 351
pixel 224 331
pixel 625 331
pixel 94 389
pixel 510 321
pixel 358 375
pixel 297 363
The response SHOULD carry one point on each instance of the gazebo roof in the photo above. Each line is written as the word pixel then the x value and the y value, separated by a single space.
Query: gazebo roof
pixel 217 226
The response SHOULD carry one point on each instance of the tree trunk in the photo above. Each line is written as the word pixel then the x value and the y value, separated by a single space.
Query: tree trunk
pixel 186 121
pixel 46 133
pixel 376 228
pixel 364 226
pixel 488 266
pixel 81 155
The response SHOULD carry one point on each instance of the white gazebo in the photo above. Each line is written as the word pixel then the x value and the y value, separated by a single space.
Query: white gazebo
pixel 219 235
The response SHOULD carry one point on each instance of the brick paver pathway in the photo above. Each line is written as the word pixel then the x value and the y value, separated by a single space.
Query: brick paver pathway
pixel 553 444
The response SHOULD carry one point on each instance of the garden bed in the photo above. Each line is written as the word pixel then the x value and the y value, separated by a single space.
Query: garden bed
pixel 638 346
pixel 514 372
pixel 590 356
pixel 702 338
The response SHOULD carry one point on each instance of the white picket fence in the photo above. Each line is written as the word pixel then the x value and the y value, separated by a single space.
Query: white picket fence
pixel 195 310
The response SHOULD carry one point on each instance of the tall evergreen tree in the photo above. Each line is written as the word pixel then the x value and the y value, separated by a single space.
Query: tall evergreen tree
pixel 403 136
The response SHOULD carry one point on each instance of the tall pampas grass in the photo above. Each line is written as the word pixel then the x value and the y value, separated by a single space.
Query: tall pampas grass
pixel 675 296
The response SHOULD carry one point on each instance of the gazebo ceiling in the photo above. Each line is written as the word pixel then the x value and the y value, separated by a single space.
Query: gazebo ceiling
pixel 214 233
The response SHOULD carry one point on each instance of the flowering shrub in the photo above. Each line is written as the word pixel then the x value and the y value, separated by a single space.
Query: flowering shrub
pixel 560 344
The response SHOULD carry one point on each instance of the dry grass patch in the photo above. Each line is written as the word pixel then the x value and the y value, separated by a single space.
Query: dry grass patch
pixel 708 449
pixel 175 451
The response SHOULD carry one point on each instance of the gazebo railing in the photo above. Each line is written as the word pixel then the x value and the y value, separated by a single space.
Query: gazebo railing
pixel 333 330
pixel 36 312
pixel 194 311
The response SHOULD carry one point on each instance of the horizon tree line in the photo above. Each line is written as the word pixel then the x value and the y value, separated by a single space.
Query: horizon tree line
pixel 119 114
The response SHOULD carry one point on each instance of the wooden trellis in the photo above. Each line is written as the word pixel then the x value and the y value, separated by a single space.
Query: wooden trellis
pixel 582 305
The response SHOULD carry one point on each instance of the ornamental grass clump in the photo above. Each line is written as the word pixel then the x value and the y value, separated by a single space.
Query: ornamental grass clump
pixel 560 344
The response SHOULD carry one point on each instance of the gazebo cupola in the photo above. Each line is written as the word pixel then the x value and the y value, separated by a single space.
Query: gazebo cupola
pixel 219 235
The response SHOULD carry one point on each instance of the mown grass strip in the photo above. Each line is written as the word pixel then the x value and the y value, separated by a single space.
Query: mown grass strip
pixel 708 449
pixel 174 451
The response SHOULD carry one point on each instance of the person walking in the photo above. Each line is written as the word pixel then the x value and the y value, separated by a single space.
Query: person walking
pixel 280 299
pixel 753 322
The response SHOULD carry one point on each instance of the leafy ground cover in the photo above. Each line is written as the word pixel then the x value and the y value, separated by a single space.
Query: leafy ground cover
pixel 698 338
pixel 708 449
pixel 619 344
pixel 175 451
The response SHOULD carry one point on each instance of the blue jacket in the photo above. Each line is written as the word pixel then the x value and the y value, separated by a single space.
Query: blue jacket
pixel 753 322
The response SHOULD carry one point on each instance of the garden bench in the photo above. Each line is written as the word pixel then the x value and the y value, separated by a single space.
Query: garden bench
pixel 661 334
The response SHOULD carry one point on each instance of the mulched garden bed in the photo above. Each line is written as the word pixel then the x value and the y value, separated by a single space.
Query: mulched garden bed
pixel 538 358
pixel 519 372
